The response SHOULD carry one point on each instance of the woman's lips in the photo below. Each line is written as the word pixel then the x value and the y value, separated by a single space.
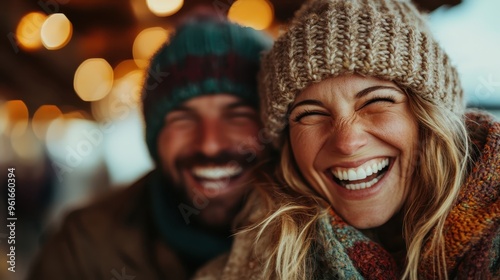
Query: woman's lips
pixel 363 176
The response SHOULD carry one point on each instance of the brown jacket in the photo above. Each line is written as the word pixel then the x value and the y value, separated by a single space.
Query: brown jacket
pixel 112 239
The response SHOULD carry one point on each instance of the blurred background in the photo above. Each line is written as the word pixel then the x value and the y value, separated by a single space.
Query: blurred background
pixel 70 78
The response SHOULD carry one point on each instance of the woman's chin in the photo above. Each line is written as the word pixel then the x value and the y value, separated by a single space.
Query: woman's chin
pixel 367 220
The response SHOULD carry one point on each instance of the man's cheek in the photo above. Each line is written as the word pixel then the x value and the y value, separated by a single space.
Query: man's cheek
pixel 170 171
pixel 250 148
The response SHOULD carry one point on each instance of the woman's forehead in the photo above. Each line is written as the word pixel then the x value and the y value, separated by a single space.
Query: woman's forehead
pixel 342 86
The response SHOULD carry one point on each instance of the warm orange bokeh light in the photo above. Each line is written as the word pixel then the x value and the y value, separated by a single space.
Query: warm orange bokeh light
pixel 93 79
pixel 123 98
pixel 26 145
pixel 17 115
pixel 78 114
pixel 147 43
pixel 28 30
pixel 42 118
pixel 258 14
pixel 124 67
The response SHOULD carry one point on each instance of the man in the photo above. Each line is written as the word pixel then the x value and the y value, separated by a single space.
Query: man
pixel 200 107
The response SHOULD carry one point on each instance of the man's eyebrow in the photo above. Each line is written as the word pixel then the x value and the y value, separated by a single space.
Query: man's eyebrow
pixel 365 91
pixel 306 102
pixel 181 108
pixel 237 104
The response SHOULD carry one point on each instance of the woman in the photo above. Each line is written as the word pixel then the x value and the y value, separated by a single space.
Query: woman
pixel 382 173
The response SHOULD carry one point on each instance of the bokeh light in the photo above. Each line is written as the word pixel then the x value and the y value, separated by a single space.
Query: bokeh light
pixel 123 98
pixel 126 135
pixel 258 14
pixel 56 129
pixel 26 145
pixel 123 68
pixel 130 87
pixel 147 43
pixel 93 79
pixel 42 118
pixel 74 143
pixel 17 115
pixel 163 8
pixel 28 30
pixel 56 31
pixel 140 9
pixel 4 118
pixel 77 114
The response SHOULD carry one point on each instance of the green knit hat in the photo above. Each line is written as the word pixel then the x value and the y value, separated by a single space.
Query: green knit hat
pixel 204 56
pixel 387 39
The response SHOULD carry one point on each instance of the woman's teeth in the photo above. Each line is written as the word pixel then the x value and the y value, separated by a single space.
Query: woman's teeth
pixel 363 185
pixel 370 168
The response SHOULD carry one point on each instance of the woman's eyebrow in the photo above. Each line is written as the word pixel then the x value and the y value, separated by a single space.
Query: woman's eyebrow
pixel 374 88
pixel 360 94
pixel 306 102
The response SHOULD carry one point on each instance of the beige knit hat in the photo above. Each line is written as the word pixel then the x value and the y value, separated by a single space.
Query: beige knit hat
pixel 387 39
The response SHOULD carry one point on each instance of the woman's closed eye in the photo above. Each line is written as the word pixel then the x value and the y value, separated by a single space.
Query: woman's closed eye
pixel 380 100
pixel 309 116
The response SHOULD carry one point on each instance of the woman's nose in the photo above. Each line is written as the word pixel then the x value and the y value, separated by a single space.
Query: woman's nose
pixel 347 139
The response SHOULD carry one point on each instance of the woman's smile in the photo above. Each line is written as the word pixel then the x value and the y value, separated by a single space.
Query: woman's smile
pixel 354 141
pixel 361 177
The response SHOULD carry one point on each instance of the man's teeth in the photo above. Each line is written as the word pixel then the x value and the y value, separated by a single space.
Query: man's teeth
pixel 217 172
pixel 214 185
pixel 353 174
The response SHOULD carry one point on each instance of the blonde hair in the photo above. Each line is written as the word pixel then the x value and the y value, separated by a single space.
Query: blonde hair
pixel 284 238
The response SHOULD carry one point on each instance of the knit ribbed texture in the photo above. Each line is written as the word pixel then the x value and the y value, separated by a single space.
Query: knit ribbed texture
pixel 351 255
pixel 472 229
pixel 387 39
pixel 204 56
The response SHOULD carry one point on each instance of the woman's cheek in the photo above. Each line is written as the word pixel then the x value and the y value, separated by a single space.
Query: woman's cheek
pixel 306 143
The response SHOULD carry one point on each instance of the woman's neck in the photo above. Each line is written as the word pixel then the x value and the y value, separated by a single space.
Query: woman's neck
pixel 390 236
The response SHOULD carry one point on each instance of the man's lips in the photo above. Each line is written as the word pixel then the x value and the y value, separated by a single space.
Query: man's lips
pixel 216 177
pixel 217 171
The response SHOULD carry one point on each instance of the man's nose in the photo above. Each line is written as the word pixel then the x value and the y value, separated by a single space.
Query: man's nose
pixel 212 138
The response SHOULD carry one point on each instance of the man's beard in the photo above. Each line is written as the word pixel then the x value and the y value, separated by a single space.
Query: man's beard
pixel 178 188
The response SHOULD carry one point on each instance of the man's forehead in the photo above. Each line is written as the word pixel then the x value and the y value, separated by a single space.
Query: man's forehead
pixel 215 101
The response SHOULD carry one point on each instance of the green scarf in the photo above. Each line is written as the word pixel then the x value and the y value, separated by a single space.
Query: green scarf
pixel 192 243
